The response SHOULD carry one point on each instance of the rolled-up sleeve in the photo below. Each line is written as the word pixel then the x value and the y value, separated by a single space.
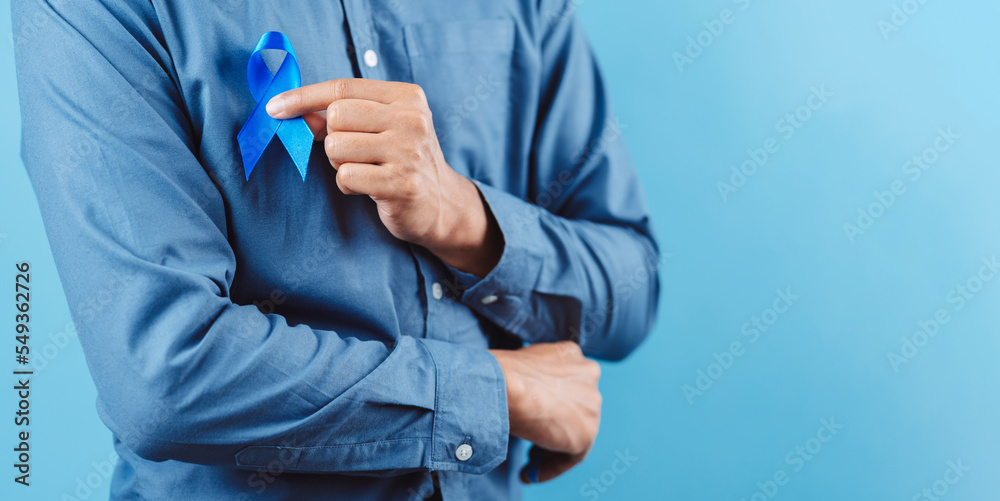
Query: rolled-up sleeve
pixel 580 260
pixel 182 372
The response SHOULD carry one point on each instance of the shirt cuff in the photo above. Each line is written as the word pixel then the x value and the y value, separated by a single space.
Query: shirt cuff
pixel 471 427
pixel 503 296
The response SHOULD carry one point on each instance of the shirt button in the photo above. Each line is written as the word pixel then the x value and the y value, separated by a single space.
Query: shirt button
pixel 464 452
pixel 437 291
pixel 489 299
pixel 371 58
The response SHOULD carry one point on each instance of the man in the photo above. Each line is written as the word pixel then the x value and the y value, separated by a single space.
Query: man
pixel 357 334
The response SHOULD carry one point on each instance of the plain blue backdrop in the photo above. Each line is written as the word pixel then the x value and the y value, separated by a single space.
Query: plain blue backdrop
pixel 697 417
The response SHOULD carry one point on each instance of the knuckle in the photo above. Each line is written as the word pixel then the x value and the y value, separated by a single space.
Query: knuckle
pixel 333 115
pixel 330 145
pixel 419 122
pixel 338 89
pixel 345 174
pixel 417 92
pixel 414 154
pixel 572 350
pixel 595 369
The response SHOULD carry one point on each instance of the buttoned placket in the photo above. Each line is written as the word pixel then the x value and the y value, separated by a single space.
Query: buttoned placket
pixel 439 293
pixel 364 38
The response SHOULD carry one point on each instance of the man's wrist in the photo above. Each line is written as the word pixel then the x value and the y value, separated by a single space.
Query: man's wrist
pixel 513 383
pixel 469 238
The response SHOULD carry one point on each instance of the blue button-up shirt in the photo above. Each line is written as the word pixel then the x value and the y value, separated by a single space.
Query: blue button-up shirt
pixel 270 339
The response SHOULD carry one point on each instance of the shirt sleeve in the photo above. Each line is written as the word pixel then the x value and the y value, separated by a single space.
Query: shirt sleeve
pixel 580 260
pixel 182 372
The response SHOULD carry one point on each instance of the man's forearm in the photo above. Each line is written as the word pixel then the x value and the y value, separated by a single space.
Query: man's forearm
pixel 559 278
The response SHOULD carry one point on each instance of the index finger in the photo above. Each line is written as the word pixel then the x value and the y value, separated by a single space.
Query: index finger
pixel 317 97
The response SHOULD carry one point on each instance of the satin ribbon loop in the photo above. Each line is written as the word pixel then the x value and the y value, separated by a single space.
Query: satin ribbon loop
pixel 260 128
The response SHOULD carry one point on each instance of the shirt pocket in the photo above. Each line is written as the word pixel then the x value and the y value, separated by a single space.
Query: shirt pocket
pixel 465 69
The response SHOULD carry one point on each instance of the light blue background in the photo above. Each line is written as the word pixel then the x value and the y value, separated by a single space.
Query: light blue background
pixel 824 357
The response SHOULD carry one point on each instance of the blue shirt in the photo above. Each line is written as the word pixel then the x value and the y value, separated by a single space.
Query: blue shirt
pixel 270 339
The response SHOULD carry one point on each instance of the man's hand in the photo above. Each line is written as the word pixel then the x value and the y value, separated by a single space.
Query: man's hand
pixel 380 138
pixel 553 401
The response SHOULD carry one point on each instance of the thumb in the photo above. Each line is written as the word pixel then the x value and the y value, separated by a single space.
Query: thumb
pixel 316 121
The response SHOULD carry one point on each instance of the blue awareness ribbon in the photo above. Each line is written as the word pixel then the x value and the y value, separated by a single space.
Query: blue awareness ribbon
pixel 260 128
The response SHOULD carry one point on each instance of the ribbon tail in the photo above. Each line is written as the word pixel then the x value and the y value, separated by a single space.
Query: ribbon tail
pixel 298 140
pixel 254 137
pixel 250 153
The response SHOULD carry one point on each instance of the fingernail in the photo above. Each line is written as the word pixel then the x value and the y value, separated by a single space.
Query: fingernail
pixel 275 106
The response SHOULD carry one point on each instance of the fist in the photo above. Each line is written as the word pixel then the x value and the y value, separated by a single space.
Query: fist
pixel 552 401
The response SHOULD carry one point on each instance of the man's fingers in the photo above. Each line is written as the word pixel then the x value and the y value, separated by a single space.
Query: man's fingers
pixel 358 115
pixel 317 97
pixel 317 124
pixel 363 179
pixel 361 147
pixel 556 464
pixel 552 465
pixel 569 350
pixel 350 115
